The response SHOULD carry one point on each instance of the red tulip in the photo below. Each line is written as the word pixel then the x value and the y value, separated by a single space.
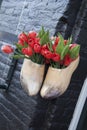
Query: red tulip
pixel 65 42
pixel 23 37
pixel 56 41
pixel 73 45
pixel 31 43
pixel 47 54
pixel 32 34
pixel 44 47
pixel 7 49
pixel 67 60
pixel 54 48
pixel 37 40
pixel 37 48
pixel 56 57
pixel 55 44
pixel 27 51
pixel 21 42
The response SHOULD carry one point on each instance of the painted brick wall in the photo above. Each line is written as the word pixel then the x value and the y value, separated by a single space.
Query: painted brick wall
pixel 17 109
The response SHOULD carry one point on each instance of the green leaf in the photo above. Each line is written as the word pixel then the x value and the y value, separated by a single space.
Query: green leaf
pixel 25 45
pixel 19 47
pixel 41 32
pixel 61 37
pixel 59 48
pixel 42 40
pixel 18 56
pixel 74 52
pixel 50 46
pixel 65 51
pixel 60 45
pixel 69 41
pixel 45 38
pixel 18 52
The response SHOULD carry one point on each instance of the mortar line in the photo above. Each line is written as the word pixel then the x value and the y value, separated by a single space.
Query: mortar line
pixel 16 32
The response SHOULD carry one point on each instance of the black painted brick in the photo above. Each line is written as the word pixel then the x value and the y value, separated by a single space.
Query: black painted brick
pixel 66 103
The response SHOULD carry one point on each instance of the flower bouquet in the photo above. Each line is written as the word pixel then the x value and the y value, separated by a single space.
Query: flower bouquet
pixel 38 49
pixel 63 59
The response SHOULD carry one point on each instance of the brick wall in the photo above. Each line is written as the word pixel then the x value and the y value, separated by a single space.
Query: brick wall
pixel 28 15
pixel 17 109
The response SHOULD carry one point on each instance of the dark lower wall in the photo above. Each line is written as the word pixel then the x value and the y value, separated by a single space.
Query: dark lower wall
pixel 77 26
pixel 60 111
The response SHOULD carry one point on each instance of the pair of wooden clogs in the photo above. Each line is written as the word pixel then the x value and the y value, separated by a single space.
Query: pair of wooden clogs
pixel 56 81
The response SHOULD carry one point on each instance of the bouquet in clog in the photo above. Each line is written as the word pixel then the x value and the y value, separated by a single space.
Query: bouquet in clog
pixel 38 49
pixel 63 59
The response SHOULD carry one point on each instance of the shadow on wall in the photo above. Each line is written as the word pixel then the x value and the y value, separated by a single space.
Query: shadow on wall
pixel 67 21
pixel 0 2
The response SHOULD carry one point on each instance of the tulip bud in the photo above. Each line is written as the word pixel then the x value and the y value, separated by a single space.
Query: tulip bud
pixel 73 45
pixel 7 49
pixel 65 42
pixel 23 37
pixel 32 34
